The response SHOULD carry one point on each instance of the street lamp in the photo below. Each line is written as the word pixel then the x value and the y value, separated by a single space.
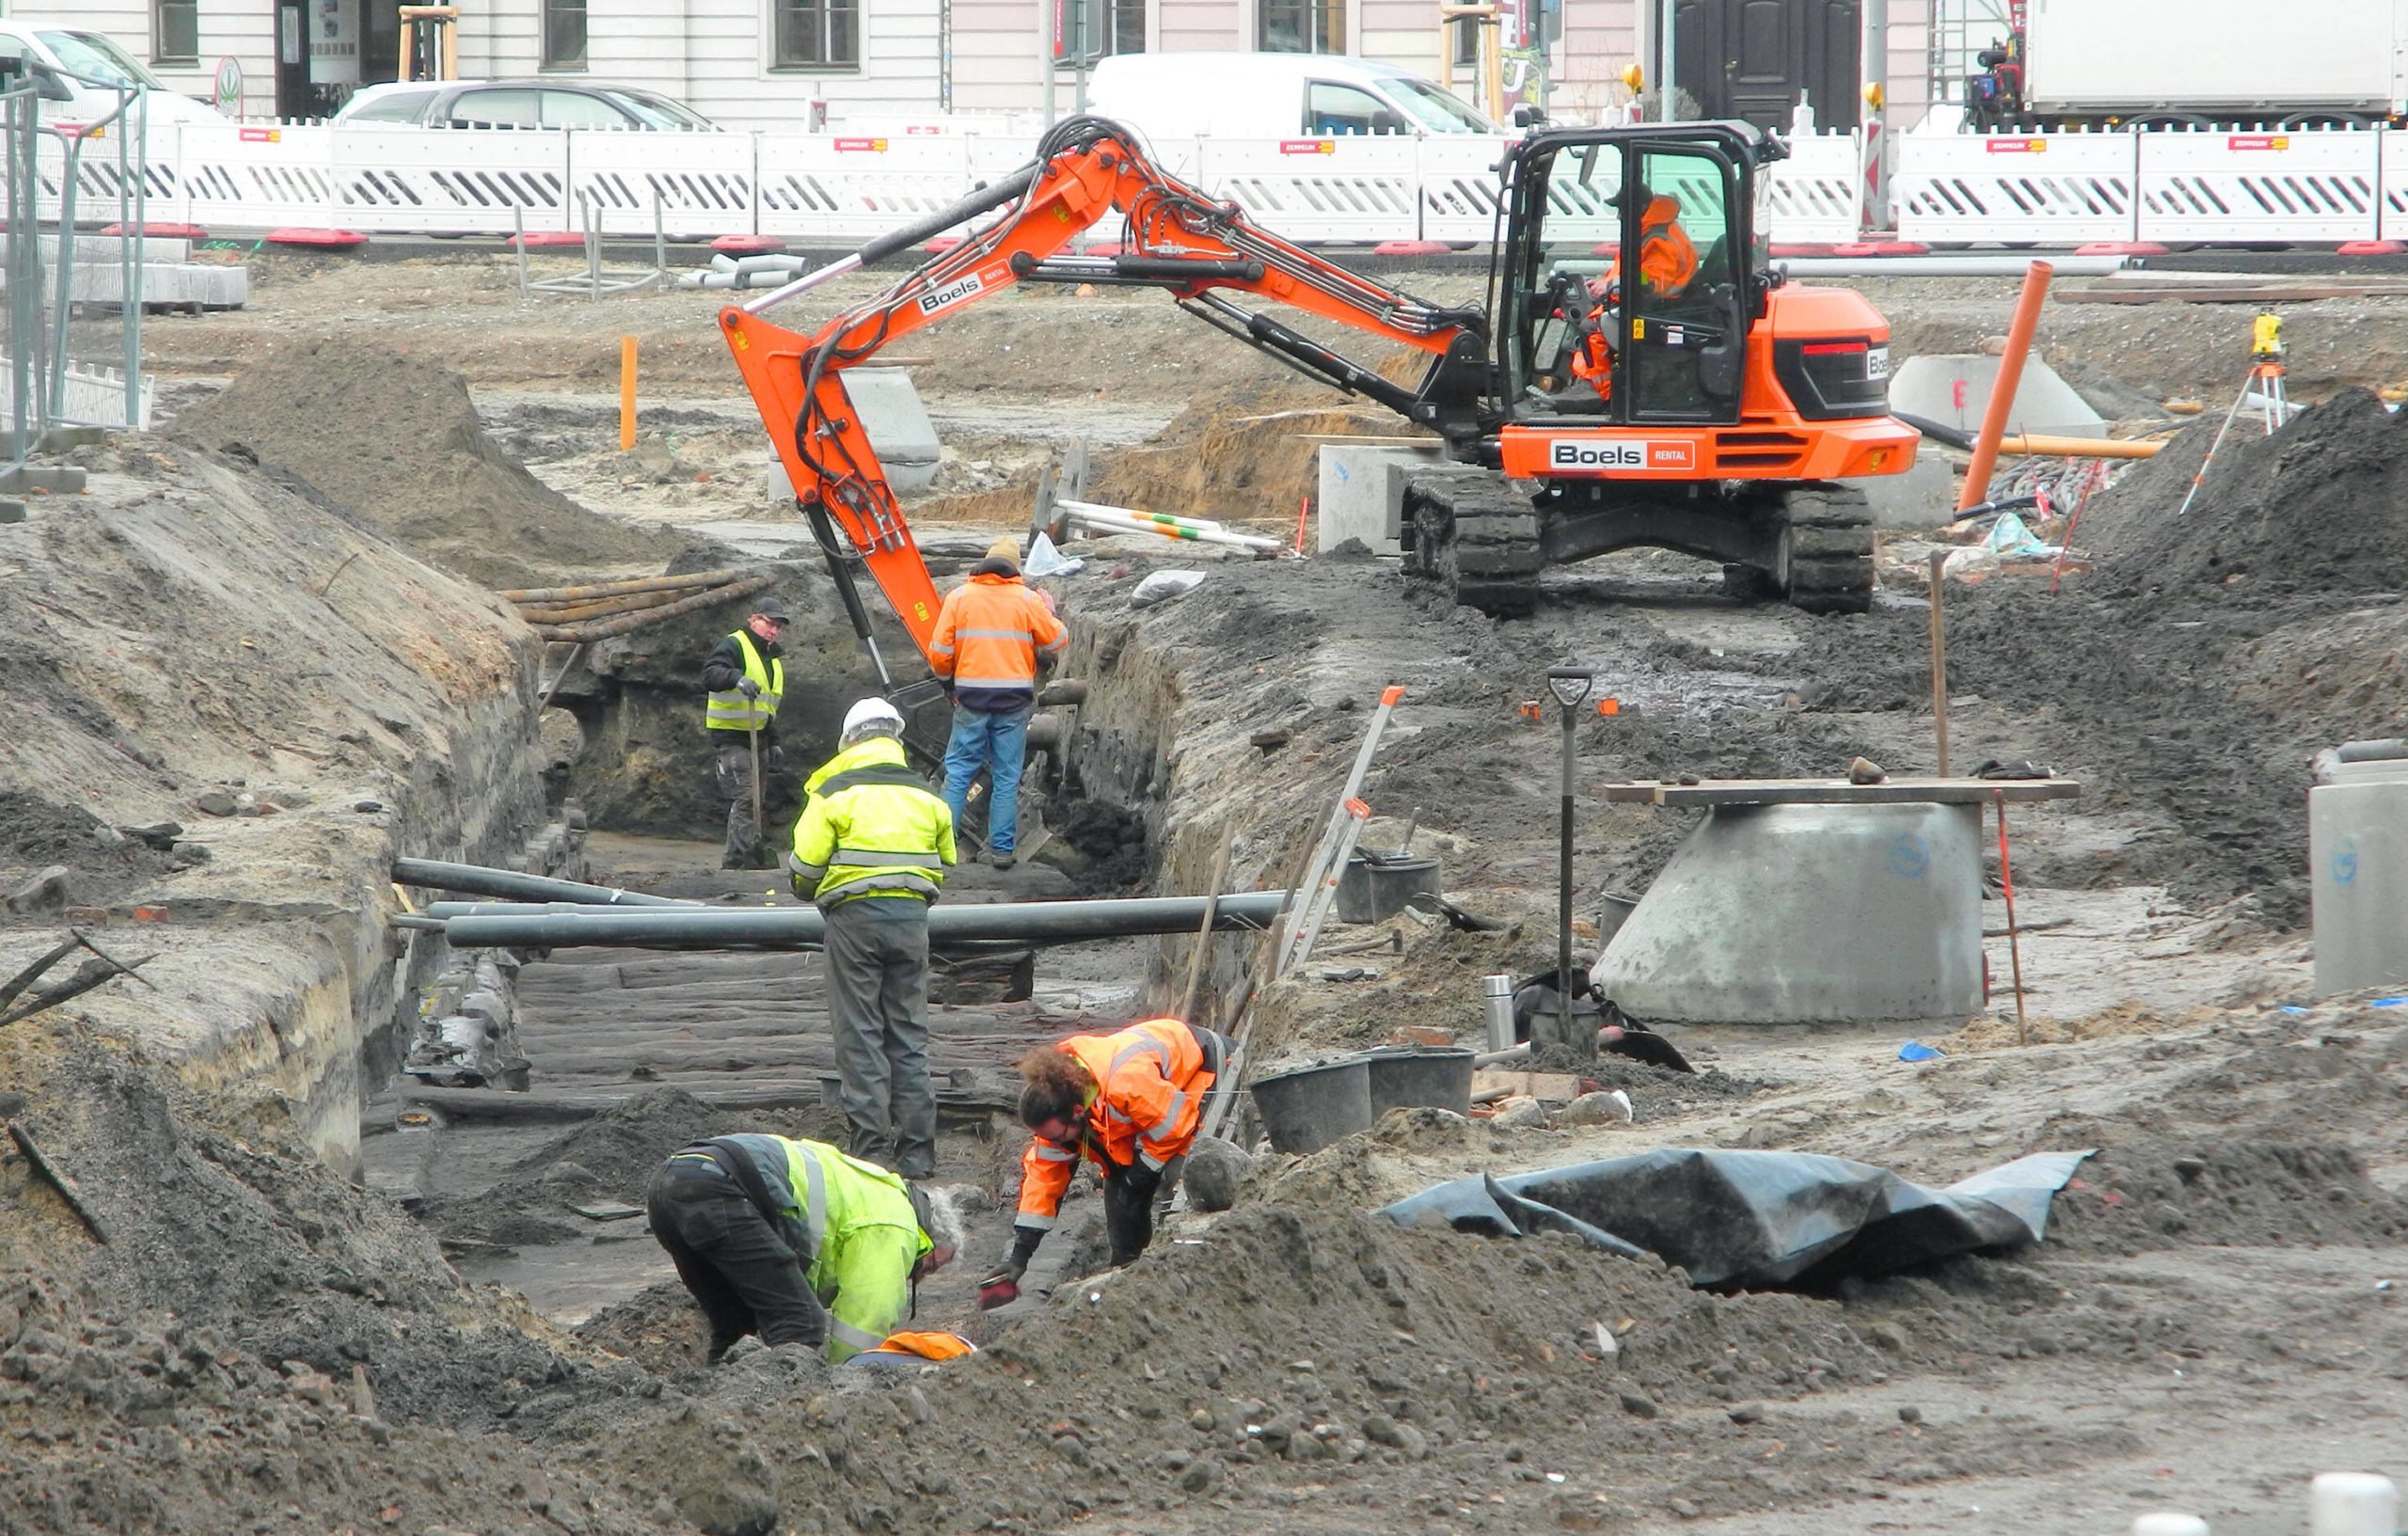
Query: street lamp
pixel 1569 686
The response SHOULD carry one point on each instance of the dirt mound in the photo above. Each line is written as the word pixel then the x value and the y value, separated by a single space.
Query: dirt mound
pixel 396 441
pixel 2321 506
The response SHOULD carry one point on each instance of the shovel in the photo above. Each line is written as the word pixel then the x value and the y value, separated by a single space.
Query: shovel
pixel 760 826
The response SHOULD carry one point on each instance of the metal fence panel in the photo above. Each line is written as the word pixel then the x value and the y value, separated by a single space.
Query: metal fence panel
pixel 703 184
pixel 1360 188
pixel 2042 188
pixel 451 181
pixel 843 189
pixel 2315 183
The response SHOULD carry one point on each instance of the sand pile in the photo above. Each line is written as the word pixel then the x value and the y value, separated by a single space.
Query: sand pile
pixel 2321 506
pixel 395 441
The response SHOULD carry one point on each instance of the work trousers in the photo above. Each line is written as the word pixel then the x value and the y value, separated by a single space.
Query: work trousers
pixel 734 1263
pixel 1129 1209
pixel 998 742
pixel 733 775
pixel 877 994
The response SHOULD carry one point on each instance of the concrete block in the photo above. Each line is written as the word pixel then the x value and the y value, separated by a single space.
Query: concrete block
pixel 1809 915
pixel 2357 859
pixel 898 428
pixel 1954 389
pixel 1923 497
pixel 1361 493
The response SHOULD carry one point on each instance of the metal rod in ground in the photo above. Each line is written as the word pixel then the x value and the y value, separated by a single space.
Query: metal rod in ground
pixel 2014 940
pixel 478 880
pixel 1940 660
pixel 1563 881
pixel 801 928
pixel 1204 931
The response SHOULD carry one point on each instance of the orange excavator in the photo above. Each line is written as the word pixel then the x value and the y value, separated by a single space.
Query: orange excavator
pixel 1714 414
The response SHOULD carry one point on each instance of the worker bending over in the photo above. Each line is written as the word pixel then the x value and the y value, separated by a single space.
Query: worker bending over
pixel 796 1242
pixel 872 849
pixel 1133 1101
pixel 1666 265
pixel 990 633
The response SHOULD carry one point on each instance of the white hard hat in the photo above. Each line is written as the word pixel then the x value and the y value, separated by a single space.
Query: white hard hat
pixel 872 712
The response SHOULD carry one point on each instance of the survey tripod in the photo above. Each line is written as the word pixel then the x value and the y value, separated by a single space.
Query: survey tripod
pixel 2264 385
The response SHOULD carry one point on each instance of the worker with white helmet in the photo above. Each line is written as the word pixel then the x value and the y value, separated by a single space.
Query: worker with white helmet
pixel 872 851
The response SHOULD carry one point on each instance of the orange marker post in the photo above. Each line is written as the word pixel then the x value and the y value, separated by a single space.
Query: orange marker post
pixel 627 393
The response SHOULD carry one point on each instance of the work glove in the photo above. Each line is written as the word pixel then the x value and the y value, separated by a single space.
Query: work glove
pixel 1002 1288
pixel 749 688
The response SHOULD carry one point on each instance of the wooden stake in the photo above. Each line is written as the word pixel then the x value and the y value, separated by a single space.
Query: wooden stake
pixel 2014 941
pixel 1940 660
pixel 1204 935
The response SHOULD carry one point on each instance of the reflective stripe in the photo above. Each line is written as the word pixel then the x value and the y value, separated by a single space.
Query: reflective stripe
pixel 996 634
pixel 898 880
pixel 1047 1152
pixel 1170 1116
pixel 1034 1221
pixel 1143 1044
pixel 876 857
pixel 1025 685
pixel 815 1212
pixel 844 1333
pixel 729 710
pixel 1149 1160
pixel 942 650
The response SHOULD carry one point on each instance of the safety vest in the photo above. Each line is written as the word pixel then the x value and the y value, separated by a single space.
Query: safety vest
pixel 990 633
pixel 730 711
pixel 1151 1081
pixel 852 1227
pixel 872 827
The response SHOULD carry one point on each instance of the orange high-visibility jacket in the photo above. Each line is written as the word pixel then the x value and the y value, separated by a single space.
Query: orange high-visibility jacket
pixel 990 633
pixel 1153 1084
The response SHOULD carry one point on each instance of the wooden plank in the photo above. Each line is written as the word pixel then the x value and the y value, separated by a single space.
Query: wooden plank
pixel 1840 792
pixel 1553 1087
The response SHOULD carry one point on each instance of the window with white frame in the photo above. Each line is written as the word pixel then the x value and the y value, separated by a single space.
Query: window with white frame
pixel 1097 27
pixel 815 34
pixel 1301 27
pixel 564 34
pixel 175 31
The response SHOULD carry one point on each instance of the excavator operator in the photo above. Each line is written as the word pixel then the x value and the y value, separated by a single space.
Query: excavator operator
pixel 1666 265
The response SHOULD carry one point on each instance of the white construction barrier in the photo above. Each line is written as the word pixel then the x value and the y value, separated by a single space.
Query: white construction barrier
pixel 2315 183
pixel 1353 188
pixel 2049 189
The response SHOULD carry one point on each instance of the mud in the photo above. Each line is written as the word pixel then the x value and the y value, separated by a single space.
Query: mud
pixel 394 440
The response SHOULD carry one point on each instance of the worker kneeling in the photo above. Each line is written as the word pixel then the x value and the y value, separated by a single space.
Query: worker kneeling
pixel 1133 1101
pixel 797 1242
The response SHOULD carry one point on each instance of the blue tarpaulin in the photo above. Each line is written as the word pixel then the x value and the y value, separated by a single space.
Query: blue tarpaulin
pixel 1753 1220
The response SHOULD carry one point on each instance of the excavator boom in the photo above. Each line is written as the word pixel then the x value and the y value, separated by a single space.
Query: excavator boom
pixel 1178 239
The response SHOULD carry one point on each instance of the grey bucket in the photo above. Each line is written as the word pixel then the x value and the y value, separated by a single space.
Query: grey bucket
pixel 1437 1078
pixel 1371 890
pixel 1305 1110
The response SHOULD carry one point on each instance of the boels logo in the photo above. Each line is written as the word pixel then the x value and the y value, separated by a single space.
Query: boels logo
pixel 966 287
pixel 1582 456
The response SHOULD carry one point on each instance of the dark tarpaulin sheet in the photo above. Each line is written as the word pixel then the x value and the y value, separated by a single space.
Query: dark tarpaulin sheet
pixel 1746 1220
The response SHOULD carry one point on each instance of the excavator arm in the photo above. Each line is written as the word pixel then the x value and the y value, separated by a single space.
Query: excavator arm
pixel 1200 251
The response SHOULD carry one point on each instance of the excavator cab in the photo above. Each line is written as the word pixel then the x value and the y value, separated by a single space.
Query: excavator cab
pixel 1631 275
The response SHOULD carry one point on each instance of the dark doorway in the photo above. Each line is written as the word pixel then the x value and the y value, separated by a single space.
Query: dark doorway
pixel 1753 59
pixel 380 42
pixel 292 96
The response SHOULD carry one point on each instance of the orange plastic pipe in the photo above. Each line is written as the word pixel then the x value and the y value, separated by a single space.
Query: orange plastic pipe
pixel 2010 376
pixel 2044 447
pixel 627 393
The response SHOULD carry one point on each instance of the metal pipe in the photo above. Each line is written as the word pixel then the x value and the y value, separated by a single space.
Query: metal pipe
pixel 2010 375
pixel 801 928
pixel 478 880
pixel 1945 266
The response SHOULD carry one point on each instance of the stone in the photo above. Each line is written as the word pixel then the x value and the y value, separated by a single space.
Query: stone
pixel 1202 1421
pixel 1911 1415
pixel 46 891
pixel 1686 1509
pixel 1381 1430
pixel 215 803
pixel 1412 1443
pixel 1747 1412
pixel 1216 1169
pixel 1888 1336
pixel 1201 1474
pixel 1638 1404
pixel 1524 1113
pixel 158 834
pixel 1611 1107
pixel 1280 1429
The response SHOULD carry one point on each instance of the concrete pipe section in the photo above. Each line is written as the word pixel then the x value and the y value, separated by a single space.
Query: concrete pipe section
pixel 1806 902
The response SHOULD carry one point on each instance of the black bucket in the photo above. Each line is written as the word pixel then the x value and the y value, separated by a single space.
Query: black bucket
pixel 1372 890
pixel 1435 1078
pixel 1306 1110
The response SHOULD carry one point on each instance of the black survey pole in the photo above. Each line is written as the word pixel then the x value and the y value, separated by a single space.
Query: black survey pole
pixel 1569 686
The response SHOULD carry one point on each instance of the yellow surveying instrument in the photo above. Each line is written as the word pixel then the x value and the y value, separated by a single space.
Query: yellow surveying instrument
pixel 2263 388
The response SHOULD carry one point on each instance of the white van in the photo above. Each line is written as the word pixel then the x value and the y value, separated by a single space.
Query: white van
pixel 66 52
pixel 1171 96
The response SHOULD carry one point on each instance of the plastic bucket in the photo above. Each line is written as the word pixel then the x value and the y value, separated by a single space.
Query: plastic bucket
pixel 1306 1110
pixel 1439 1078
pixel 1371 890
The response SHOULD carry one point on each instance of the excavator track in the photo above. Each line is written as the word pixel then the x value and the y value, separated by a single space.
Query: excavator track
pixel 1474 534
pixel 1829 549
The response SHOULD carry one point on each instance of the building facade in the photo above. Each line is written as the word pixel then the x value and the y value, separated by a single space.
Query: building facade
pixel 787 63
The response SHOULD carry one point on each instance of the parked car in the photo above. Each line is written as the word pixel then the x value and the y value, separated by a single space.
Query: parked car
pixel 68 59
pixel 1273 96
pixel 517 104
